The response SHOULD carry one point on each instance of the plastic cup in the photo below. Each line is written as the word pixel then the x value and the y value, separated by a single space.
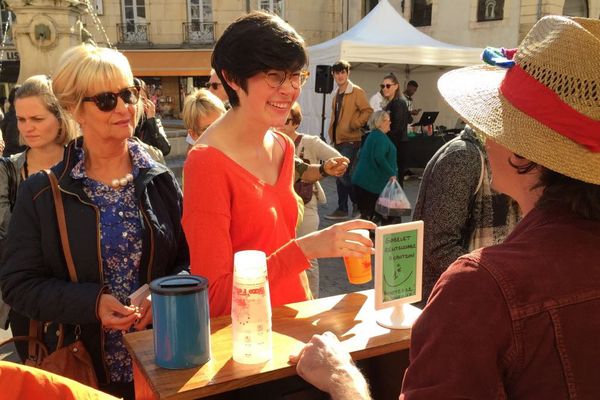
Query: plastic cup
pixel 358 269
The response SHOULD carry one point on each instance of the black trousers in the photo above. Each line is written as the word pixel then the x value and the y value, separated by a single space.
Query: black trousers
pixel 401 158
pixel 366 202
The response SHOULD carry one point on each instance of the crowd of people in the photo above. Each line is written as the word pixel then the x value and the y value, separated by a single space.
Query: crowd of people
pixel 511 212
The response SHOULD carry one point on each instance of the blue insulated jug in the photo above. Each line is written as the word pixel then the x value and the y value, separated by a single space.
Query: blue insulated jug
pixel 181 321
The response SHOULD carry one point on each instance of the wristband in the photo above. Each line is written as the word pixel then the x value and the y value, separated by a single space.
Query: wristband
pixel 322 171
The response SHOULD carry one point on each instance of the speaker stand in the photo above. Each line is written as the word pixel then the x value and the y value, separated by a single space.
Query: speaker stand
pixel 323 119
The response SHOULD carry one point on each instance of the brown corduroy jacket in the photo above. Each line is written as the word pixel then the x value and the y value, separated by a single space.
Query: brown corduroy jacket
pixel 354 113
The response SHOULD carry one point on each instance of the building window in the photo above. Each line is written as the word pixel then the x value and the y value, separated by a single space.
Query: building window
pixel 200 28
pixel 369 5
pixel 490 10
pixel 97 6
pixel 274 6
pixel 134 11
pixel 134 28
pixel 576 8
pixel 7 18
pixel 421 12
pixel 200 10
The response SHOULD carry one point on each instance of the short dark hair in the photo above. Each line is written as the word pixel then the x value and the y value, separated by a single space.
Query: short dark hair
pixel 341 65
pixel 254 43
pixel 413 84
pixel 579 197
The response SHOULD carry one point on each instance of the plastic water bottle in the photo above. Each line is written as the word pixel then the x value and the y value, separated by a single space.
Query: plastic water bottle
pixel 251 308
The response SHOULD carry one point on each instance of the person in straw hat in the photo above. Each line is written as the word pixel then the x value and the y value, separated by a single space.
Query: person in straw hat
pixel 521 319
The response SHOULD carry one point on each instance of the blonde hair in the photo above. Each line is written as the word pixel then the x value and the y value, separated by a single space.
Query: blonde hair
pixel 41 86
pixel 200 104
pixel 83 69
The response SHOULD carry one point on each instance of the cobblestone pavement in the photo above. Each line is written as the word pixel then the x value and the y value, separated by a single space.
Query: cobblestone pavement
pixel 332 273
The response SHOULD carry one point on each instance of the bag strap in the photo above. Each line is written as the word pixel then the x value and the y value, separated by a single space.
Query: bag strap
pixel 482 171
pixel 298 140
pixel 62 224
pixel 38 354
pixel 36 349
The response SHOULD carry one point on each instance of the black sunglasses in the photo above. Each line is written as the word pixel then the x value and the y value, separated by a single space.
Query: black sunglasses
pixel 107 101
pixel 386 85
pixel 213 85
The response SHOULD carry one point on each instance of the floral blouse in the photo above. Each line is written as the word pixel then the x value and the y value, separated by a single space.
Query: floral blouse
pixel 121 247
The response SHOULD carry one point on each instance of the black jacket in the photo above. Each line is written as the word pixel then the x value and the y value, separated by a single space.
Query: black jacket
pixel 10 133
pixel 33 275
pixel 400 118
pixel 151 131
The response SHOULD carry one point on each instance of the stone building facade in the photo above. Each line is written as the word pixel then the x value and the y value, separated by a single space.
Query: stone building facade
pixel 169 42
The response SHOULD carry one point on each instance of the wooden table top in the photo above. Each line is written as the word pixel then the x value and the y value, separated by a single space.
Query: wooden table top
pixel 351 317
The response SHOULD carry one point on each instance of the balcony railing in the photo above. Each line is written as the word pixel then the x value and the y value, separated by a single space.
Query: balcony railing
pixel 199 32
pixel 134 33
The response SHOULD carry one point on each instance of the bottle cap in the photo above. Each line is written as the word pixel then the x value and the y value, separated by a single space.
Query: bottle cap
pixel 250 264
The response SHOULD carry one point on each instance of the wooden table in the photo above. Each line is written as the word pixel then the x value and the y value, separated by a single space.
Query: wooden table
pixel 351 317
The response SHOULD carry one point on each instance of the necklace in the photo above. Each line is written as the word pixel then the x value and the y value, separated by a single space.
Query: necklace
pixel 121 182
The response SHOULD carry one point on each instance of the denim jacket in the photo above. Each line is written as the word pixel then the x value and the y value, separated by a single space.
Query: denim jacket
pixel 519 320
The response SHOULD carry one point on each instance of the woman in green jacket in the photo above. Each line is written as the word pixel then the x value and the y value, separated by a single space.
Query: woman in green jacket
pixel 376 164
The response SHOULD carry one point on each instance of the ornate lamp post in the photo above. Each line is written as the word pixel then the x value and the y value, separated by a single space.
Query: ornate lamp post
pixel 43 31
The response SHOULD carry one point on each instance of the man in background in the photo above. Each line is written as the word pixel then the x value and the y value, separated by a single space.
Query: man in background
pixel 350 111
pixel 215 86
pixel 411 89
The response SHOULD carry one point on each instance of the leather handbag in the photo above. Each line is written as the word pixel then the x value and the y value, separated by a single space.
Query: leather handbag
pixel 72 360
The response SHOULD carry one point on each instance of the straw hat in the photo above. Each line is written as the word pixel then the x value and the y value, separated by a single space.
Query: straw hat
pixel 544 103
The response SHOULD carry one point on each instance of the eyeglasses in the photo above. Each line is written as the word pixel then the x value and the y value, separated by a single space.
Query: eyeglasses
pixel 276 78
pixel 386 85
pixel 213 85
pixel 107 101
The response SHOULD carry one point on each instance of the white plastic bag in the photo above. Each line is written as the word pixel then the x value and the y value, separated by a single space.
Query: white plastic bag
pixel 392 201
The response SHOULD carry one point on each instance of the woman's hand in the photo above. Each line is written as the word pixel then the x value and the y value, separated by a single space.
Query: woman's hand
pixel 336 166
pixel 149 108
pixel 336 241
pixel 145 319
pixel 114 315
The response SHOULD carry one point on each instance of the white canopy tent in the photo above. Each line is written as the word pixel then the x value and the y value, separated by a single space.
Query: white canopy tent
pixel 383 38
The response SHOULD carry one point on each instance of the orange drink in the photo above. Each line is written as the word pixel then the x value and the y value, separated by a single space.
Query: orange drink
pixel 359 268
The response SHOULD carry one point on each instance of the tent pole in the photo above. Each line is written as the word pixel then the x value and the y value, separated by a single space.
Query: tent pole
pixel 323 119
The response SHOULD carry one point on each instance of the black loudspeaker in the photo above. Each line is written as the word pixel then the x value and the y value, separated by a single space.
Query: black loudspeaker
pixel 323 79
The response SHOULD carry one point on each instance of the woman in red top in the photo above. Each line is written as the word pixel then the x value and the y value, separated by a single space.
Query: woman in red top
pixel 238 192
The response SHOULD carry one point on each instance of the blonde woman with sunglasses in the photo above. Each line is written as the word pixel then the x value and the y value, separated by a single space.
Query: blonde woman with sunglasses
pixel 122 212
pixel 238 192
